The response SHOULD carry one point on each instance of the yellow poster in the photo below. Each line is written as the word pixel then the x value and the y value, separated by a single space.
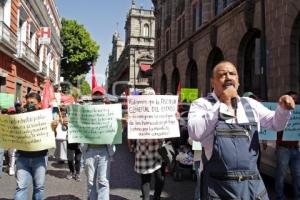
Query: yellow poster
pixel 27 131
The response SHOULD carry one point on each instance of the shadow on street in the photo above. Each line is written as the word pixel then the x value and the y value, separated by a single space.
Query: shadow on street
pixel 57 173
pixel 63 197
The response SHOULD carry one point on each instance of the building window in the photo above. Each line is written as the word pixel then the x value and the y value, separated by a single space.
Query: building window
pixel 19 91
pixel 5 11
pixel 180 28
pixel 163 85
pixel 158 47
pixel 218 6
pixel 200 13
pixel 2 83
pixel 194 16
pixel 168 40
pixel 227 3
pixel 146 30
pixel 169 8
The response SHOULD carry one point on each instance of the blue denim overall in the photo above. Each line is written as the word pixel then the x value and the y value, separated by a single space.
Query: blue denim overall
pixel 231 173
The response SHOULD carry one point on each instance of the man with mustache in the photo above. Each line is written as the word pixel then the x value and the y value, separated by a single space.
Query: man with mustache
pixel 227 126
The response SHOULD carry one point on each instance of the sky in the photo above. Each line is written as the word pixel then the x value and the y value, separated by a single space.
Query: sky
pixel 100 19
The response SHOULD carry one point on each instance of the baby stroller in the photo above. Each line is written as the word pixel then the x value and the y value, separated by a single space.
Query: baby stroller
pixel 184 157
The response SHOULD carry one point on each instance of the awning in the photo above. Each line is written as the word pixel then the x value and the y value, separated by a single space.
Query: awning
pixel 145 67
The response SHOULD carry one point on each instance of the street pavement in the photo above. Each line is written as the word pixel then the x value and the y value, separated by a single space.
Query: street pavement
pixel 124 182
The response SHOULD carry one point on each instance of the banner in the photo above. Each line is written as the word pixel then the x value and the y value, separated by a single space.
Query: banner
pixel 189 94
pixel 152 117
pixel 292 131
pixel 95 124
pixel 27 131
pixel 6 100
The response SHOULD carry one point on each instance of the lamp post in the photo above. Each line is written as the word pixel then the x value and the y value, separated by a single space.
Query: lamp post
pixel 132 52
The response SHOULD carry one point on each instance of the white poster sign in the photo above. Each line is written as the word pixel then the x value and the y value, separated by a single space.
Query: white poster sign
pixel 152 117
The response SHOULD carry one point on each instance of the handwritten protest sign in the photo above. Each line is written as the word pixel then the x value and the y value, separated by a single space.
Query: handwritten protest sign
pixel 152 117
pixel 264 133
pixel 188 94
pixel 292 131
pixel 6 100
pixel 95 124
pixel 27 131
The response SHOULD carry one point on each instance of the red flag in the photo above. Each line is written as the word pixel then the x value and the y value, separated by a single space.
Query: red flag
pixel 94 81
pixel 47 94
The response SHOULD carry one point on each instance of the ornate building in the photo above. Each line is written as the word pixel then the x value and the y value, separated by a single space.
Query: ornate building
pixel 130 63
pixel 261 37
pixel 30 47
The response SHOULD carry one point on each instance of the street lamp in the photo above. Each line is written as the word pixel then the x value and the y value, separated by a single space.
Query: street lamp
pixel 132 52
pixel 67 61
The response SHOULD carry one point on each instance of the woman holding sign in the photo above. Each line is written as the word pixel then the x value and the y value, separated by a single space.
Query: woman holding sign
pixel 148 161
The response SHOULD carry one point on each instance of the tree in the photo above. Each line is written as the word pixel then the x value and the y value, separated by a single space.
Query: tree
pixel 79 48
pixel 85 88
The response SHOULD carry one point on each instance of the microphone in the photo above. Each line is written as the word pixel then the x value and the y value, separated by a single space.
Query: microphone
pixel 234 103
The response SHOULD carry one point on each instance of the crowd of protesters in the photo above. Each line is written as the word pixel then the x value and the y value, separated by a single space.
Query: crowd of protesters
pixel 228 161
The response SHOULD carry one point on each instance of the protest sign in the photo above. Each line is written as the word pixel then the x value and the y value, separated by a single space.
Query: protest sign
pixel 152 117
pixel 6 100
pixel 27 131
pixel 196 146
pixel 95 124
pixel 292 130
pixel 188 94
pixel 265 134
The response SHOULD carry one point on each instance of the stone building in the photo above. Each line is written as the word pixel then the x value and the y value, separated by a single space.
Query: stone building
pixel 27 55
pixel 130 62
pixel 261 37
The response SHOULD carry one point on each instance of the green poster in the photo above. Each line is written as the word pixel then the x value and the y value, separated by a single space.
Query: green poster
pixel 188 94
pixel 6 100
pixel 95 124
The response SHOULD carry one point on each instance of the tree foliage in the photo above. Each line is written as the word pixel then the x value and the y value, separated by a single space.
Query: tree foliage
pixel 79 48
pixel 85 88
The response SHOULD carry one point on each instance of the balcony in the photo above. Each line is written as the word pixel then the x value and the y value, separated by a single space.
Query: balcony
pixel 43 69
pixel 28 55
pixel 52 76
pixel 8 38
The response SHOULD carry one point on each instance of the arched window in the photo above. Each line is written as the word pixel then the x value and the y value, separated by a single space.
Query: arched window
pixel 295 56
pixel 249 62
pixel 192 75
pixel 163 84
pixel 214 58
pixel 146 30
pixel 175 81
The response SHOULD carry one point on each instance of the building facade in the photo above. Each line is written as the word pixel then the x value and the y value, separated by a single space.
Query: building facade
pixel 30 47
pixel 261 37
pixel 130 62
